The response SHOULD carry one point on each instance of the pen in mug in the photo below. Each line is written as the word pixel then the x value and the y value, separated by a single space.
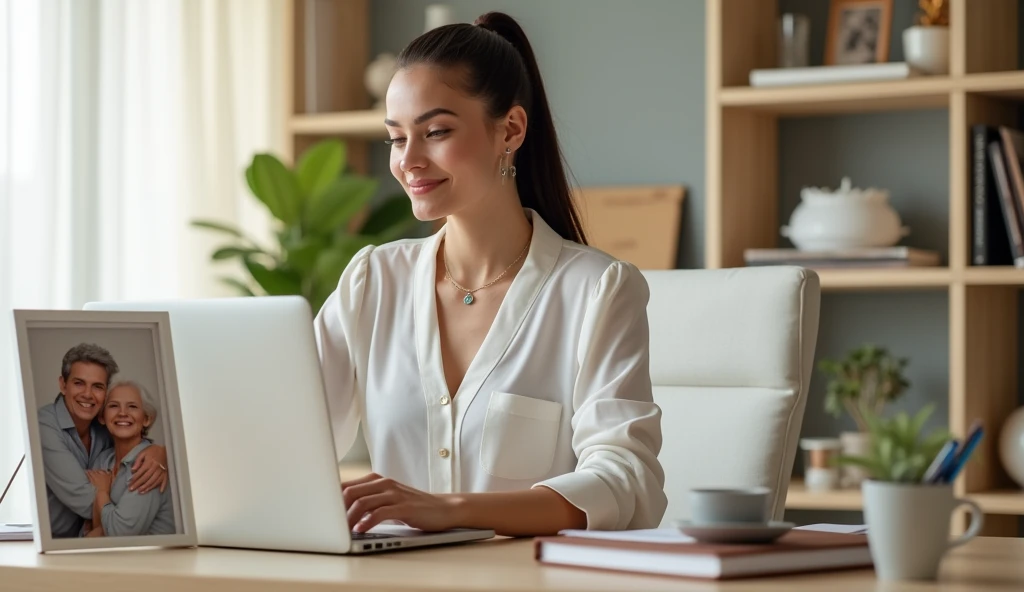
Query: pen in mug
pixel 941 463
pixel 970 443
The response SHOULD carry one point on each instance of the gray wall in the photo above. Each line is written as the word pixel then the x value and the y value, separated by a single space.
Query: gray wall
pixel 626 81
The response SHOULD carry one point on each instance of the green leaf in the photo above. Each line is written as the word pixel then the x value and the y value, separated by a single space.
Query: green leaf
pixel 234 251
pixel 319 166
pixel 275 282
pixel 242 288
pixel 211 225
pixel 277 188
pixel 303 255
pixel 250 179
pixel 390 219
pixel 336 206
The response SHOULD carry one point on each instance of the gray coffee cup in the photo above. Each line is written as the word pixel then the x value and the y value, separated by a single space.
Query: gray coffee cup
pixel 724 505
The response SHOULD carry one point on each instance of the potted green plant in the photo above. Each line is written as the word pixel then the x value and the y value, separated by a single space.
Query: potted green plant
pixel 926 44
pixel 322 216
pixel 862 384
pixel 907 518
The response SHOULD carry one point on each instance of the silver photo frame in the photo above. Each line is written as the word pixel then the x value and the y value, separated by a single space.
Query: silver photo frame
pixel 65 355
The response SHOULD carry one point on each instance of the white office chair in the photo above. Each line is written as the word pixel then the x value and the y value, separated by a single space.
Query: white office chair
pixel 731 358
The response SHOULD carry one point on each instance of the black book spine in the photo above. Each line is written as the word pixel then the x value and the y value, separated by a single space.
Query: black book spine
pixel 990 243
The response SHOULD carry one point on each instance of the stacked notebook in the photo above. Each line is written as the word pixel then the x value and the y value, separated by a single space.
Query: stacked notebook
pixel 863 257
pixel 668 552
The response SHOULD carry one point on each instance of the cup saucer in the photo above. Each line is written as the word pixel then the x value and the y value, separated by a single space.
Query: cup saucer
pixel 734 532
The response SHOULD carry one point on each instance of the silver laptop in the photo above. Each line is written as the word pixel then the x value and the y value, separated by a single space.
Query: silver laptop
pixel 260 448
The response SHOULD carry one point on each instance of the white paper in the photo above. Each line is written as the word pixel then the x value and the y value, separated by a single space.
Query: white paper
pixel 838 528
pixel 15 532
pixel 650 535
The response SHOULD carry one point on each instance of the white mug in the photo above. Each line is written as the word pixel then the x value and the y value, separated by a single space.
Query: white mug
pixel 908 527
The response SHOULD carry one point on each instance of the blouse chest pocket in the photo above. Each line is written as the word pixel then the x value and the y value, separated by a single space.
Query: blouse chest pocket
pixel 519 436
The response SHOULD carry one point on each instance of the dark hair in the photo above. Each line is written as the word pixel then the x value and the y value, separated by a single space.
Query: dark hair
pixel 502 70
pixel 92 354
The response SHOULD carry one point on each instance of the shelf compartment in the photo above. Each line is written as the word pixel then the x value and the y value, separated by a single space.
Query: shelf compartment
pixel 862 97
pixel 357 124
pixel 1006 85
pixel 873 278
pixel 1000 501
pixel 799 498
pixel 994 276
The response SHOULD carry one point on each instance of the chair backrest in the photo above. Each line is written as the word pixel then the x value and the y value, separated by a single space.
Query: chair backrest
pixel 731 358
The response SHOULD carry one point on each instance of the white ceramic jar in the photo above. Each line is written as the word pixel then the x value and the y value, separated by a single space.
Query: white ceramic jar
pixel 847 218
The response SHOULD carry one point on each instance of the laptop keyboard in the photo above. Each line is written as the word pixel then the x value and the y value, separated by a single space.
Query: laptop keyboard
pixel 365 536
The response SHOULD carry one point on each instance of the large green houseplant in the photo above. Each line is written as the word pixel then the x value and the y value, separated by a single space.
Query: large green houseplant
pixel 322 217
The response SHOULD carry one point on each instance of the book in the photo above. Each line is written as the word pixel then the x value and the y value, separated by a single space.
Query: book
pixel 860 257
pixel 832 74
pixel 1011 213
pixel 990 242
pixel 661 553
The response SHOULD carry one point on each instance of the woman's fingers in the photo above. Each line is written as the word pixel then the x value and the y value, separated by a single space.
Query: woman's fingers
pixel 368 504
pixel 364 479
pixel 379 515
pixel 354 492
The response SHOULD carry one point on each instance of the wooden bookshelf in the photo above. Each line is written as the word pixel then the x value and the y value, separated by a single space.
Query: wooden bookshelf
pixel 368 124
pixel 325 95
pixel 984 86
pixel 862 97
pixel 885 279
pixel 1003 502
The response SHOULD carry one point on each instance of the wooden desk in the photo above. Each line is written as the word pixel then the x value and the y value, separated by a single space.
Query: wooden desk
pixel 498 565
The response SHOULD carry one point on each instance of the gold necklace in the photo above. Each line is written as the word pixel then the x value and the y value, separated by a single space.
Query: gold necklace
pixel 469 299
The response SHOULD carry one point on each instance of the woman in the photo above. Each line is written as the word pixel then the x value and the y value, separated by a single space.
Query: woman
pixel 128 413
pixel 499 367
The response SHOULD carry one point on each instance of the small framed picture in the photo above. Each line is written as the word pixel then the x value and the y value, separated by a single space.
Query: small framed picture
pixel 858 32
pixel 106 450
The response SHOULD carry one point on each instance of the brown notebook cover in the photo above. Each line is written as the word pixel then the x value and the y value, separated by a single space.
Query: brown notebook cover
pixel 794 552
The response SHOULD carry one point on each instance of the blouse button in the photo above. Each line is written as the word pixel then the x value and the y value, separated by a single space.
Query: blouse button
pixel 445 400
pixel 443 452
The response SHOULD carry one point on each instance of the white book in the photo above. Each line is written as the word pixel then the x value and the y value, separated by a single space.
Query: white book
pixel 832 74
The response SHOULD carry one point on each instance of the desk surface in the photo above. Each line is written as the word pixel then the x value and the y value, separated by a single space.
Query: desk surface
pixel 498 565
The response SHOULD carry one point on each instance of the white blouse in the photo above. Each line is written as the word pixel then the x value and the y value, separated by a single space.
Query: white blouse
pixel 559 394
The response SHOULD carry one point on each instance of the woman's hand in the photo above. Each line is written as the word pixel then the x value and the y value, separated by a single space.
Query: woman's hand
pixel 149 470
pixel 100 480
pixel 373 499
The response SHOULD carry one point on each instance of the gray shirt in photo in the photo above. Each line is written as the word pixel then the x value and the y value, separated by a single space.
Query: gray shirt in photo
pixel 69 494
pixel 132 514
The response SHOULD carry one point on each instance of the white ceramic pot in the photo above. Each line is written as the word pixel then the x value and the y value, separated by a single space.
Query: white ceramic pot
pixel 927 49
pixel 1011 446
pixel 847 218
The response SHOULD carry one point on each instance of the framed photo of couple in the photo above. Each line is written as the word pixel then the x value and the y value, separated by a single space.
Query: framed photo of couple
pixel 106 447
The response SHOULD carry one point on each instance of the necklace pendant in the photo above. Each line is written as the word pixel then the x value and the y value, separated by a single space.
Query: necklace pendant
pixel 468 299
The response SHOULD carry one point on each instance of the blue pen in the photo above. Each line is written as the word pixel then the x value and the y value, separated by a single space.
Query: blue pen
pixel 942 462
pixel 973 437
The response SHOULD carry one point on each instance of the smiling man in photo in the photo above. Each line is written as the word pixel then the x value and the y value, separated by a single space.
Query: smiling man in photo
pixel 72 440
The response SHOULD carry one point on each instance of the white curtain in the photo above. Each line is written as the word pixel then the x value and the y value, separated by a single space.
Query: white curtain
pixel 120 121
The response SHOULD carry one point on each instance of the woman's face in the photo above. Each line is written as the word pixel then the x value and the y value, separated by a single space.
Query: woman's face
pixel 123 414
pixel 445 150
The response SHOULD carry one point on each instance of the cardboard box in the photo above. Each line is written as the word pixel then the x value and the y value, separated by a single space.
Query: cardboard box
pixel 638 224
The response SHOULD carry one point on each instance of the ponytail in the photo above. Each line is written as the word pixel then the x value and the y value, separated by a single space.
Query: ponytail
pixel 503 71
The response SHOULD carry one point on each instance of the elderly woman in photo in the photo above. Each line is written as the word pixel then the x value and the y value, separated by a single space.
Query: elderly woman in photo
pixel 128 413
